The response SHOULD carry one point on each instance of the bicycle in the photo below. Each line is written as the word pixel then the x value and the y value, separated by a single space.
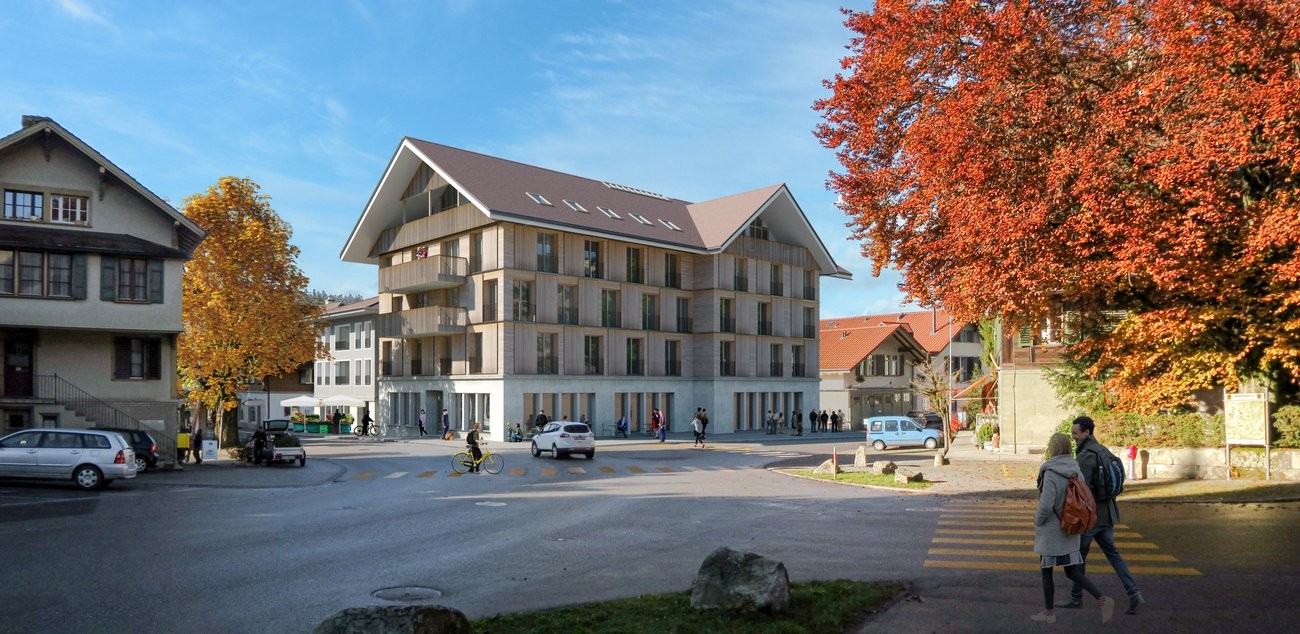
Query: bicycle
pixel 373 431
pixel 463 461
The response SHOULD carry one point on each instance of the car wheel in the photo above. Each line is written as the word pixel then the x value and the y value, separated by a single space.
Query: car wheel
pixel 535 451
pixel 879 445
pixel 591 455
pixel 141 464
pixel 930 443
pixel 88 477
pixel 302 461
pixel 555 452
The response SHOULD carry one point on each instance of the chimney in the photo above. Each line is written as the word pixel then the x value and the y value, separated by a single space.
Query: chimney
pixel 33 119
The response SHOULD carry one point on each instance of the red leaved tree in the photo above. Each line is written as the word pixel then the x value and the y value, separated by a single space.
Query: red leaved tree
pixel 1136 156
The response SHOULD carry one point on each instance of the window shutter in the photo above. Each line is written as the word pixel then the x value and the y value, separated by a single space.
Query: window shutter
pixel 121 358
pixel 79 276
pixel 153 360
pixel 155 281
pixel 107 278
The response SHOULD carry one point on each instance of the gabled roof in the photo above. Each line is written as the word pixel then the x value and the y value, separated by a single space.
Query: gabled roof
pixel 366 306
pixel 190 233
pixel 501 189
pixel 842 348
pixel 930 328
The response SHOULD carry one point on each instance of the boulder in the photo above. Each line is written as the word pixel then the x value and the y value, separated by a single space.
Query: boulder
pixel 903 476
pixel 828 467
pixel 860 456
pixel 733 581
pixel 396 619
pixel 883 467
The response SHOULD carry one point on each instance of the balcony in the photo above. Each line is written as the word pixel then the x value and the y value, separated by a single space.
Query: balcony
pixel 809 292
pixel 635 367
pixel 775 369
pixel 523 312
pixel 809 331
pixel 548 365
pixel 765 327
pixel 650 322
pixel 444 366
pixel 569 316
pixel 797 369
pixel 435 271
pixel 611 319
pixel 727 368
pixel 673 280
pixel 728 324
pixel 776 288
pixel 740 283
pixel 593 366
pixel 683 324
pixel 673 367
pixel 423 322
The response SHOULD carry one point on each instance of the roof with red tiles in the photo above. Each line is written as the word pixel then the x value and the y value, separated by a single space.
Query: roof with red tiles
pixel 929 328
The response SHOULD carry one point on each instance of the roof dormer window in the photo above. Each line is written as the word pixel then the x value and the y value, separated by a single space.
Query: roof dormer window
pixel 609 212
pixel 576 206
pixel 539 199
pixel 641 219
pixel 670 225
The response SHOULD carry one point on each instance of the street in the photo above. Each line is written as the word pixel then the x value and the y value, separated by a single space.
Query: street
pixel 211 551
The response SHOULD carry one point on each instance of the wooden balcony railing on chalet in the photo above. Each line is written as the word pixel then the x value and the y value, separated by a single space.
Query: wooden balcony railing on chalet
pixel 1032 356
pixel 435 271
pixel 423 322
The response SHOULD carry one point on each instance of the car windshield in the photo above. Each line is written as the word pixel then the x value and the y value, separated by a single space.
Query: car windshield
pixel 577 428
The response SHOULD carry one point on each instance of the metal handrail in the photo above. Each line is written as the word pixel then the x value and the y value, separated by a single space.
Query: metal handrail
pixel 82 403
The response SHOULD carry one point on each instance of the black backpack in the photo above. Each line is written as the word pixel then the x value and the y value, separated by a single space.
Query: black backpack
pixel 1108 481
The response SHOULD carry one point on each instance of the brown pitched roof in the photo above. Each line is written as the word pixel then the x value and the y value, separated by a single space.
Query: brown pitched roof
pixel 841 348
pixel 929 328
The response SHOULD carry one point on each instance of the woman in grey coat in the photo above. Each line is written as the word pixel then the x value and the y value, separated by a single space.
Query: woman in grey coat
pixel 1054 547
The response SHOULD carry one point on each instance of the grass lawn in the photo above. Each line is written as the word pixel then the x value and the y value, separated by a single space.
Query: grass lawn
pixel 862 477
pixel 815 606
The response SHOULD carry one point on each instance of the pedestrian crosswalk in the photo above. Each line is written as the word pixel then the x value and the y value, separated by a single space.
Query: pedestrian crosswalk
pixel 550 471
pixel 997 536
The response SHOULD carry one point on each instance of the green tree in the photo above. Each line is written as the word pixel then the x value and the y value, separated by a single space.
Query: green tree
pixel 245 308
pixel 935 385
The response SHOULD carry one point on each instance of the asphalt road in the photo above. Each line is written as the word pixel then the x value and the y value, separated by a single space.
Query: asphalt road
pixel 280 549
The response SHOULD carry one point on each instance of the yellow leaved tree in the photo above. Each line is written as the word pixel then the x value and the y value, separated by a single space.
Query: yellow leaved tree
pixel 245 306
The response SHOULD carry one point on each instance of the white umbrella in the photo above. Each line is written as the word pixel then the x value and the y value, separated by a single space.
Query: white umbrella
pixel 301 401
pixel 339 400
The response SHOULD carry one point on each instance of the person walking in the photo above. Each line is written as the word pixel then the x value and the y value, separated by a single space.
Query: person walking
pixel 446 423
pixel 704 425
pixel 697 426
pixel 1053 545
pixel 662 431
pixel 198 444
pixel 540 420
pixel 1090 454
pixel 421 423
pixel 769 423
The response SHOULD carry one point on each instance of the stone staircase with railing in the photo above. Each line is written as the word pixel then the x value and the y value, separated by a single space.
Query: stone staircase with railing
pixel 95 412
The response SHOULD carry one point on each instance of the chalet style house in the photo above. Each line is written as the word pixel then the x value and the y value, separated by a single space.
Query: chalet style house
pixel 90 289
pixel 506 290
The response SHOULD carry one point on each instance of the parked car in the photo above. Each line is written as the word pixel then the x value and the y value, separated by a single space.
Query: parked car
pixel 281 445
pixel 899 431
pixel 146 450
pixel 90 458
pixel 930 420
pixel 563 438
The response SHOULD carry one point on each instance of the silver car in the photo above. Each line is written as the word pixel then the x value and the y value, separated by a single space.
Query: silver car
pixel 564 438
pixel 89 458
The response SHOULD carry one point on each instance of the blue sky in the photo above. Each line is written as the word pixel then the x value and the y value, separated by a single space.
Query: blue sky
pixel 695 99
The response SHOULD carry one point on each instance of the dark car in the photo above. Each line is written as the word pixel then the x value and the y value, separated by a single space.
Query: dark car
pixel 930 420
pixel 146 450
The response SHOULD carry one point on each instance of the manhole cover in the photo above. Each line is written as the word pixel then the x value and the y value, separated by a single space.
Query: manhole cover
pixel 406 594
pixel 490 503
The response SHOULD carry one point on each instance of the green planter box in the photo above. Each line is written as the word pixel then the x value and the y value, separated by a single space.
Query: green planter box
pixel 329 428
pixel 313 428
pixel 345 428
pixel 298 428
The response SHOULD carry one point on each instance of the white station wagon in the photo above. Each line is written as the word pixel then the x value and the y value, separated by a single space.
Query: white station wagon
pixel 89 458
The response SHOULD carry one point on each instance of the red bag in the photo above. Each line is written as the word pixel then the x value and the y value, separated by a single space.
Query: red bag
pixel 1079 511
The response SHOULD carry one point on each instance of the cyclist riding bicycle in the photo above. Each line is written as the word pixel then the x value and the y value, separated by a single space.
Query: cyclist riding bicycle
pixel 472 441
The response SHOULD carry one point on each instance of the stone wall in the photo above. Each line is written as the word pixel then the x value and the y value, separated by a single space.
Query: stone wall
pixel 1208 464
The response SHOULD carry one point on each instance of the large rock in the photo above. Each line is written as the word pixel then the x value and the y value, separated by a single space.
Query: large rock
pixel 829 466
pixel 883 467
pixel 396 619
pixel 860 456
pixel 903 476
pixel 740 582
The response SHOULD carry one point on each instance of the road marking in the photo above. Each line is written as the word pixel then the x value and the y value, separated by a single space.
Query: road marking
pixel 394 475
pixel 427 474
pixel 518 471
pixel 455 474
pixel 664 469
pixel 1010 532
pixel 1030 543
pixel 969 521
pixel 635 469
pixel 1032 566
pixel 576 470
pixel 365 476
pixel 607 470
pixel 548 471
pixel 1023 554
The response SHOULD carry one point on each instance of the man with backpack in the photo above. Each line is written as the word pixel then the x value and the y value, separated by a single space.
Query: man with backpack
pixel 1104 475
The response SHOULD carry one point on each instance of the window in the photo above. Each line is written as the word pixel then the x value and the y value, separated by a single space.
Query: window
pixel 669 224
pixel 809 323
pixel 809 284
pixel 609 313
pixel 540 199
pixel 356 373
pixel 131 280
pixel 726 322
pixel 319 373
pixel 21 205
pixel 475 353
pixel 683 314
pixel 591 259
pixel 476 252
pixel 7 284
pixel 635 364
pixel 450 248
pixel 417 358
pixel 546 361
pixel 341 374
pixel 774 353
pixel 592 359
pixel 672 271
pixel 740 276
pixel 649 312
pixel 342 337
pixel 69 209
pixel 758 230
pixel 764 319
pixel 635 274
pixel 796 361
pixel 137 358
pixel 490 300
pixel 31 273
pixel 546 252
pixel 641 219
pixel 727 361
pixel 609 212
pixel 521 304
pixel 672 358
pixel 370 371
pixel 567 300
pixel 576 206
pixel 449 197
pixel 774 283
pixel 59 267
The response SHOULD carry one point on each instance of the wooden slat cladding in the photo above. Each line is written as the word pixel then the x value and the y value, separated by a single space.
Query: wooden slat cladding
pixel 773 252
pixel 429 228
pixel 435 271
pixel 423 322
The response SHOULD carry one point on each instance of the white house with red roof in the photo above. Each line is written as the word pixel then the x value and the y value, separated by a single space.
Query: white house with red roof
pixel 507 289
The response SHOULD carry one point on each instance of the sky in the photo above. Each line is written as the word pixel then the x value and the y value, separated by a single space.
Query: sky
pixel 696 99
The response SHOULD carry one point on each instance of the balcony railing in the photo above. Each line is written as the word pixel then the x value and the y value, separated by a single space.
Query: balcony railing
pixel 775 369
pixel 444 366
pixel 649 322
pixel 423 322
pixel 490 311
pixel 569 316
pixel 523 312
pixel 776 289
pixel 796 369
pixel 635 367
pixel 593 366
pixel 636 276
pixel 611 319
pixel 673 367
pixel 740 283
pixel 475 365
pixel 809 331
pixel 435 271
pixel 809 292
pixel 417 367
pixel 674 280
pixel 728 324
pixel 765 327
pixel 683 324
pixel 727 368
pixel 547 365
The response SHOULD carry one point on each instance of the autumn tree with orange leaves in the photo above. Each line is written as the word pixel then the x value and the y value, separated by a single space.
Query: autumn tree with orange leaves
pixel 1136 156
pixel 245 307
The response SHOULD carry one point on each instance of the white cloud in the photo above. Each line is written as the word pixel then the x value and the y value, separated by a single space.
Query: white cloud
pixel 82 11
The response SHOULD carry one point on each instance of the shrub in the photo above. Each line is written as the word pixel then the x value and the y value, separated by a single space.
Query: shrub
pixel 1119 429
pixel 1286 420
pixel 985 432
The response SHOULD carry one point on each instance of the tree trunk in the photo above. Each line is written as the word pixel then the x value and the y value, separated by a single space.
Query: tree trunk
pixel 229 428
